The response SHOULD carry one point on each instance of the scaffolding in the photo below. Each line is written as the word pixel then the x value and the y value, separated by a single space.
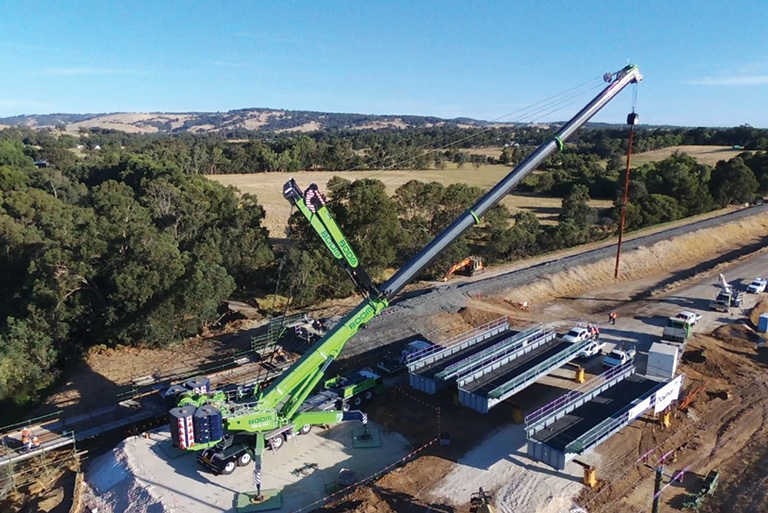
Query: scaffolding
pixel 22 468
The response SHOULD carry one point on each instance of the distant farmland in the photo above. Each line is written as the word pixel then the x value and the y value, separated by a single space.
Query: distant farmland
pixel 710 155
pixel 268 186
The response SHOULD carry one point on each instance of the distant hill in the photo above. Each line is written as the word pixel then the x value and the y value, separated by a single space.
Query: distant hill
pixel 262 120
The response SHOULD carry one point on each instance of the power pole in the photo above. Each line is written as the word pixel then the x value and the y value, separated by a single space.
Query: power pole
pixel 657 488
pixel 632 120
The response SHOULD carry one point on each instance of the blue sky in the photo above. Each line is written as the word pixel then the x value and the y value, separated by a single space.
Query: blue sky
pixel 705 63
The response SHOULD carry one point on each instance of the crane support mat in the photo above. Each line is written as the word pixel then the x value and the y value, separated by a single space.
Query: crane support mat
pixel 170 451
pixel 273 499
pixel 365 438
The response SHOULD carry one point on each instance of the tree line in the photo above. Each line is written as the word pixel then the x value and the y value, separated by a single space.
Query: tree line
pixel 131 245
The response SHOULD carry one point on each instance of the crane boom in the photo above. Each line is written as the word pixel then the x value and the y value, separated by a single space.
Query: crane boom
pixel 279 406
pixel 407 273
pixel 331 344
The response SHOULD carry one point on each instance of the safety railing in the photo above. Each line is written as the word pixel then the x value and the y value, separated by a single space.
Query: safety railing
pixel 480 370
pixel 609 377
pixel 608 426
pixel 555 361
pixel 501 322
pixel 505 346
pixel 31 422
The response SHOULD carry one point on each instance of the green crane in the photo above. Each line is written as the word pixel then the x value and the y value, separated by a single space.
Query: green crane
pixel 278 410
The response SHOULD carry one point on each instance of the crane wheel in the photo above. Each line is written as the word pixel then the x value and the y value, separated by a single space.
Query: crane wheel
pixel 368 395
pixel 244 459
pixel 357 401
pixel 276 442
pixel 228 467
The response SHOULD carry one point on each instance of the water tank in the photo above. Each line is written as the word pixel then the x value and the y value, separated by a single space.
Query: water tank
pixel 762 323
pixel 201 385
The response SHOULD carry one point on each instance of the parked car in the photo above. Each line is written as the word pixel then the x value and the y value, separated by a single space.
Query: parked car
pixel 592 349
pixel 688 317
pixel 619 356
pixel 393 363
pixel 577 334
pixel 757 286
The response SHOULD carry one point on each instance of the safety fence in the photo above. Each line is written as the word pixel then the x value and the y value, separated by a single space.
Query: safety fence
pixel 338 494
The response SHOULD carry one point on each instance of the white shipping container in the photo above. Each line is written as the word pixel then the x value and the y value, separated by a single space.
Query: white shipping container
pixel 662 360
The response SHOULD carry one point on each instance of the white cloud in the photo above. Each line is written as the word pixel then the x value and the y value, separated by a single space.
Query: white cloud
pixel 231 64
pixel 85 70
pixel 12 103
pixel 744 80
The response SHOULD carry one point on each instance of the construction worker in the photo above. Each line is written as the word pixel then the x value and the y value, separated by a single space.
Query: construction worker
pixel 35 442
pixel 597 332
pixel 612 317
pixel 26 433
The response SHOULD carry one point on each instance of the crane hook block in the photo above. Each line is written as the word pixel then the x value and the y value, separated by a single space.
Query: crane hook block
pixel 633 118
pixel 608 78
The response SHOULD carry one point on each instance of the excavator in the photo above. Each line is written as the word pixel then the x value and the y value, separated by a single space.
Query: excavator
pixel 232 432
pixel 470 266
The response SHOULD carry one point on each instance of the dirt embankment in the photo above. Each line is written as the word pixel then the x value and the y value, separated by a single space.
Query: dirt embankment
pixel 723 429
pixel 667 256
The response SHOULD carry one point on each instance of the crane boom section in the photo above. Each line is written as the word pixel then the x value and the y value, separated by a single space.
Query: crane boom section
pixel 406 274
pixel 317 357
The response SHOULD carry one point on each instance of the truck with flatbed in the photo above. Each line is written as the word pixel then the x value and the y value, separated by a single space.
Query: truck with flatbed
pixel 276 412
pixel 726 299
pixel 679 328
pixel 619 355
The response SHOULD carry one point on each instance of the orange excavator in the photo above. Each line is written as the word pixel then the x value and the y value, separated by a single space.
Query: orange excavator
pixel 469 267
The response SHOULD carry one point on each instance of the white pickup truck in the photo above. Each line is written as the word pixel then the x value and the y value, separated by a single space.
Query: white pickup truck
pixel 690 318
pixel 757 286
pixel 578 334
pixel 619 356
pixel 592 349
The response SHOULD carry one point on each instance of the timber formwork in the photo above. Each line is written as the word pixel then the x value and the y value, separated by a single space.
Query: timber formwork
pixel 484 389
